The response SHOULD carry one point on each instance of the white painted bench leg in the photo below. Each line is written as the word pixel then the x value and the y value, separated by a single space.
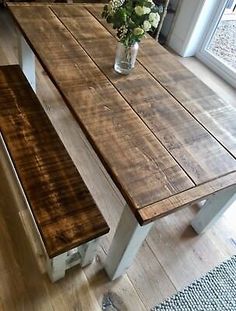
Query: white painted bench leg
pixel 56 267
pixel 127 240
pixel 27 61
pixel 214 207
pixel 88 252
pixel 83 255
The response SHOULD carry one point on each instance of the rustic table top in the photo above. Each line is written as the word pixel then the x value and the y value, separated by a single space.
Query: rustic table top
pixel 165 138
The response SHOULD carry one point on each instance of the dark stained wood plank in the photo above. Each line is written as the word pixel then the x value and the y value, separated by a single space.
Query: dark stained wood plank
pixel 140 166
pixel 63 208
pixel 209 109
pixel 165 207
pixel 196 151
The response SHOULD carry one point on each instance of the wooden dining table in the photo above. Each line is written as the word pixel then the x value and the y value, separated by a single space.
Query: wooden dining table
pixel 164 137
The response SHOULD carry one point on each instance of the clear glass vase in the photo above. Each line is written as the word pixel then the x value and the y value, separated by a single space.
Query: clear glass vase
pixel 125 58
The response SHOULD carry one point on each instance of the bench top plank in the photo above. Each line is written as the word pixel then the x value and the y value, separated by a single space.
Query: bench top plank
pixel 154 140
pixel 63 208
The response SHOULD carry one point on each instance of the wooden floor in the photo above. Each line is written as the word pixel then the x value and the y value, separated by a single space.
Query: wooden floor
pixel 171 257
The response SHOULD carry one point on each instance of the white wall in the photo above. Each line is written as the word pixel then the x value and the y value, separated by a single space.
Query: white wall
pixel 189 27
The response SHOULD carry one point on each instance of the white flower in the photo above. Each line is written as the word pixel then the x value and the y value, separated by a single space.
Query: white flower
pixel 138 31
pixel 146 10
pixel 117 3
pixel 139 10
pixel 155 23
pixel 123 30
pixel 146 25
pixel 152 16
pixel 154 19
pixel 114 4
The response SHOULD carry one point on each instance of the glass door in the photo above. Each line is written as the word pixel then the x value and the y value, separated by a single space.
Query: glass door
pixel 218 50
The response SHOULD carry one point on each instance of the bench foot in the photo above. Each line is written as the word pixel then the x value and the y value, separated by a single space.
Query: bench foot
pixel 83 255
pixel 56 267
pixel 214 207
pixel 126 242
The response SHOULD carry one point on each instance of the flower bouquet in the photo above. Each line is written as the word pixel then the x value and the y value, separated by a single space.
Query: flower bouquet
pixel 132 19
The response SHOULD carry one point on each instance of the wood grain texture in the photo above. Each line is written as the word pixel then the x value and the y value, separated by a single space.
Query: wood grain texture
pixel 197 98
pixel 140 166
pixel 150 143
pixel 173 257
pixel 162 208
pixel 209 109
pixel 64 210
pixel 194 149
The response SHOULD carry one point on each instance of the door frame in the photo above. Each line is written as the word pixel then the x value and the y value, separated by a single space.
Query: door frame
pixel 205 56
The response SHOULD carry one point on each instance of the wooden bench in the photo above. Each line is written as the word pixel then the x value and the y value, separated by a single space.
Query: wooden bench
pixel 67 218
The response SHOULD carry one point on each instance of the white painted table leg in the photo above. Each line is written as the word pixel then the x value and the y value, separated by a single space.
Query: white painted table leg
pixel 56 267
pixel 27 61
pixel 128 238
pixel 214 207
pixel 88 253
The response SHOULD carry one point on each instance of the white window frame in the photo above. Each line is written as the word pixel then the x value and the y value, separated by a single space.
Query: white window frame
pixel 222 69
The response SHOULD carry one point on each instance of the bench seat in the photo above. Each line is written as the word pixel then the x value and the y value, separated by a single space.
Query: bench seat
pixel 63 209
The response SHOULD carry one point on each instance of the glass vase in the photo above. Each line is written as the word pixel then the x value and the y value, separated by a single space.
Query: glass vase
pixel 125 58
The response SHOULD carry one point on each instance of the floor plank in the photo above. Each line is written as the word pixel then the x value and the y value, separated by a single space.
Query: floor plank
pixel 184 255
pixel 121 292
